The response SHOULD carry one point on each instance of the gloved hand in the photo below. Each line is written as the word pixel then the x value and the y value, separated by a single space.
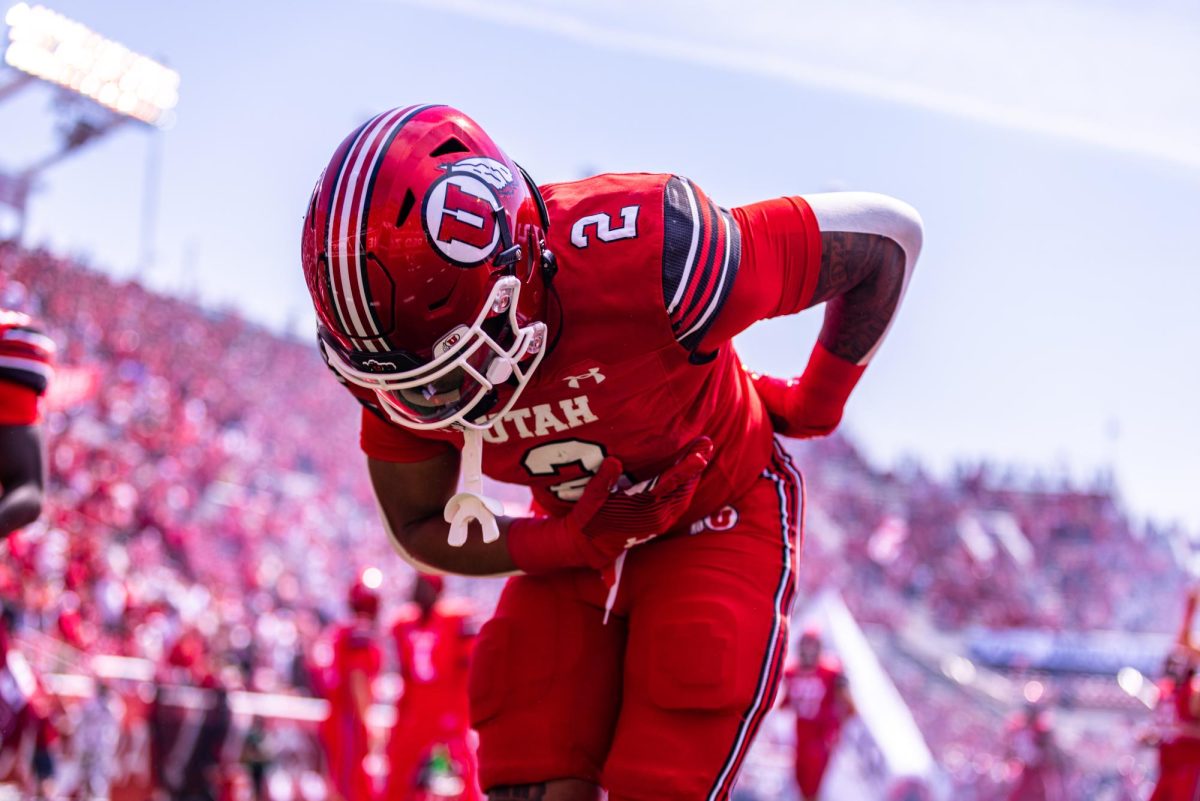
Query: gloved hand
pixel 606 521
pixel 811 405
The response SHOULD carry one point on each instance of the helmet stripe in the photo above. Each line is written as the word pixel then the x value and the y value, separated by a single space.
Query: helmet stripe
pixel 344 290
pixel 353 193
pixel 336 285
pixel 329 209
pixel 351 211
pixel 363 193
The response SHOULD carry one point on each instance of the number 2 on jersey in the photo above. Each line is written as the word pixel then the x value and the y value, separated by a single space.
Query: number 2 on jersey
pixel 605 230
pixel 551 458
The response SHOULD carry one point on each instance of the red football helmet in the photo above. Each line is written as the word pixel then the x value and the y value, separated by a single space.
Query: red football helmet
pixel 809 648
pixel 423 249
pixel 364 600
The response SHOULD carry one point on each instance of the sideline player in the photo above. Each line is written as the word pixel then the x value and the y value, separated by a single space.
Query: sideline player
pixel 816 690
pixel 25 369
pixel 344 678
pixel 1177 715
pixel 433 646
pixel 576 338
pixel 1037 760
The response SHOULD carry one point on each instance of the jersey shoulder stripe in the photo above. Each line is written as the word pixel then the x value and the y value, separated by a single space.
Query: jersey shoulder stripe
pixel 26 354
pixel 700 258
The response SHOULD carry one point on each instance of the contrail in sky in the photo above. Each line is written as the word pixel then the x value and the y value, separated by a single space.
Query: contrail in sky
pixel 889 89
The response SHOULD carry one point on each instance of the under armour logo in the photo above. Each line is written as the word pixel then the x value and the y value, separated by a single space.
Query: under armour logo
pixel 573 380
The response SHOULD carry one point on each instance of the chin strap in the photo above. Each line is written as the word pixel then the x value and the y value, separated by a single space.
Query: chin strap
pixel 471 503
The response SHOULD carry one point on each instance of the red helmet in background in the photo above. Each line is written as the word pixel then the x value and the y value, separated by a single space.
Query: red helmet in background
pixel 436 582
pixel 364 601
pixel 423 249
pixel 809 647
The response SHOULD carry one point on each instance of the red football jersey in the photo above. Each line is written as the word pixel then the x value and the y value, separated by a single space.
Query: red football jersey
pixel 26 355
pixel 435 655
pixel 432 652
pixel 1180 707
pixel 354 650
pixel 812 694
pixel 647 265
pixel 344 734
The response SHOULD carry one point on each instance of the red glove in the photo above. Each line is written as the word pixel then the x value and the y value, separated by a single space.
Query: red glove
pixel 811 405
pixel 606 521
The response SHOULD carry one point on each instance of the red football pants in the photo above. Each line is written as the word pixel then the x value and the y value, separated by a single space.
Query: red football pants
pixel 420 727
pixel 662 702
pixel 344 739
pixel 812 760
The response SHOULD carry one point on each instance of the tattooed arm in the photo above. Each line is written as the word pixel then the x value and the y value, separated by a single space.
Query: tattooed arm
pixel 852 251
pixel 869 246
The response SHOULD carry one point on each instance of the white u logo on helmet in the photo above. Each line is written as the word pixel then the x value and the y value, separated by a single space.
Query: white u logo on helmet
pixel 460 208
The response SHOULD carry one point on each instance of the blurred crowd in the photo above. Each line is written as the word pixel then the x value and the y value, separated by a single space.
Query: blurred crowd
pixel 986 547
pixel 990 549
pixel 208 502
pixel 208 483
pixel 208 507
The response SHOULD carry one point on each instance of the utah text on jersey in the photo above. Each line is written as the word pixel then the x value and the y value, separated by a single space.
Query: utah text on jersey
pixel 540 420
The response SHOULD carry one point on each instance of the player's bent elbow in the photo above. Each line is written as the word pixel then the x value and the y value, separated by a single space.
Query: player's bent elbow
pixel 408 542
pixel 414 545
pixel 24 512
pixel 871 213
pixel 36 506
pixel 903 223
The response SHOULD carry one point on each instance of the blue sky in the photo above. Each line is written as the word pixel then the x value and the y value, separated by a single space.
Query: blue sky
pixel 1053 149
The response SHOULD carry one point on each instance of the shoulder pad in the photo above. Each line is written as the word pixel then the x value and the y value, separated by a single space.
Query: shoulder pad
pixel 26 353
pixel 702 249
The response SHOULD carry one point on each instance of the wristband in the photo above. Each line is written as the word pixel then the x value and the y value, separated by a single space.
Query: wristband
pixel 543 544
pixel 826 384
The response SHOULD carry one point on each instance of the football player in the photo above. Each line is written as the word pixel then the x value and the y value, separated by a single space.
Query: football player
pixel 816 690
pixel 1177 716
pixel 344 677
pixel 25 369
pixel 433 646
pixel 576 338
pixel 1036 760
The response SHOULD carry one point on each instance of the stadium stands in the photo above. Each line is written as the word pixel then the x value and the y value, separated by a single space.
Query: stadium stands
pixel 209 505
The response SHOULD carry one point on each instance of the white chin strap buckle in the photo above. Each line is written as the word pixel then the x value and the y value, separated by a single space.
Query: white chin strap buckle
pixel 467 506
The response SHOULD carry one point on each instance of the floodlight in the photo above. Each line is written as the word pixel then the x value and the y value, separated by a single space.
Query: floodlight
pixel 47 45
pixel 372 578
pixel 1131 681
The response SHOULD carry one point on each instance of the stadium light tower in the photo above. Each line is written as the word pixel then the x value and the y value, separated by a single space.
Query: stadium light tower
pixel 123 86
pixel 47 45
